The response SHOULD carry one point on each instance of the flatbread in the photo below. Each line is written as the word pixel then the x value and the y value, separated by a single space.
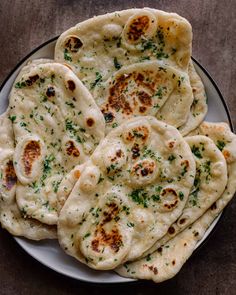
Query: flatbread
pixel 143 89
pixel 57 125
pixel 225 140
pixel 199 106
pixel 209 184
pixel 98 47
pixel 105 53
pixel 164 263
pixel 133 188
pixel 11 218
pixel 67 184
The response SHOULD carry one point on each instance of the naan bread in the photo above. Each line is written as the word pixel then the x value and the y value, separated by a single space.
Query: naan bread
pixel 105 53
pixel 209 184
pixel 142 89
pixel 133 188
pixel 67 184
pixel 57 125
pixel 225 140
pixel 199 107
pixel 98 47
pixel 11 218
pixel 164 263
pixel 32 63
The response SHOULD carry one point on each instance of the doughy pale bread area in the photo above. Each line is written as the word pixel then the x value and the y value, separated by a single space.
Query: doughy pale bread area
pixel 11 218
pixel 209 184
pixel 165 263
pixel 97 47
pixel 132 61
pixel 225 140
pixel 168 259
pixel 131 190
pixel 56 125
pixel 199 107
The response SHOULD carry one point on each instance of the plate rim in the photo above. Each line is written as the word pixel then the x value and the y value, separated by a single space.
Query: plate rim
pixel 221 217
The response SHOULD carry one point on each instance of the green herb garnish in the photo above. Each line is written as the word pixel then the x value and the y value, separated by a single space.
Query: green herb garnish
pixel 67 55
pixel 117 65
pixel 220 144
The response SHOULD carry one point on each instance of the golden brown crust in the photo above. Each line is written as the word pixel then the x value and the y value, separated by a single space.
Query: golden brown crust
pixel 138 28
pixel 71 149
pixel 112 238
pixel 10 175
pixel 32 151
pixel 73 43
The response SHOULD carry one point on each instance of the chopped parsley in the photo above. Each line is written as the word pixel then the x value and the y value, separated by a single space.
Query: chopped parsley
pixel 12 118
pixel 148 45
pixel 161 55
pixel 95 212
pixel 196 151
pixel 185 169
pixel 148 258
pixel 156 198
pixel 20 85
pixel 23 124
pixel 171 158
pixel 130 224
pixel 139 196
pixel 72 129
pixel 159 92
pixel 86 236
pixel 114 125
pixel 55 185
pixel 180 80
pixel 117 65
pixel 181 196
pixel 112 167
pixel 126 210
pixel 100 179
pixel 67 55
pixel 136 134
pixel 206 167
pixel 149 153
pixel 97 80
pixel 70 104
pixel 82 129
pixel 220 144
pixel 193 198
pixel 160 36
pixel 47 166
pixel 34 186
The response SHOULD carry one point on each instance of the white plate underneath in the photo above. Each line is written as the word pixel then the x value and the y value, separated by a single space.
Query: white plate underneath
pixel 48 252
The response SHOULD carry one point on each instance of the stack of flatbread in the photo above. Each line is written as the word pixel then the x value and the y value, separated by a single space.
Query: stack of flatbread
pixel 105 147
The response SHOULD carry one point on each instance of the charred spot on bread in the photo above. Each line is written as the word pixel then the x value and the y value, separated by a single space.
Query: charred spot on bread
pixel 71 149
pixel 10 175
pixel 71 85
pixel 73 43
pixel 32 151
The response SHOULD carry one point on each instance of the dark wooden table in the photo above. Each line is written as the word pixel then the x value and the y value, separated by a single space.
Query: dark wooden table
pixel 25 25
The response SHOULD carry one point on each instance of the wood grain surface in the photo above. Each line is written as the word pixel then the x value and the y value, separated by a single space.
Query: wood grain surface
pixel 25 25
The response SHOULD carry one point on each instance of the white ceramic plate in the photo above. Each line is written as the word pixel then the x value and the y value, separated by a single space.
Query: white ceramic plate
pixel 48 252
